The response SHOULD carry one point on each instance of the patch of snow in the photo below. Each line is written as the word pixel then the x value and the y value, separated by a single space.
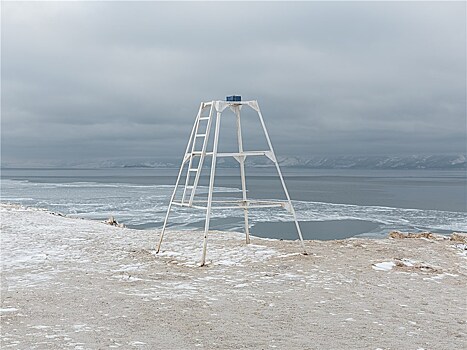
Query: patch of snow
pixel 462 246
pixel 408 262
pixel 188 253
pixel 40 327
pixel 8 309
pixel 137 343
pixel 384 266
pixel 129 267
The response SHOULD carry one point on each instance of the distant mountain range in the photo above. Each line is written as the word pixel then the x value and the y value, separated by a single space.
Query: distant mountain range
pixel 378 162
pixel 315 162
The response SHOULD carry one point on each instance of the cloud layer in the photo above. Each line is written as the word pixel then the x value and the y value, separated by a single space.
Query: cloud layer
pixel 100 80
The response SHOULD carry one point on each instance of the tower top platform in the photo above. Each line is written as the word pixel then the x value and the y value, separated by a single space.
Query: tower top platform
pixel 220 105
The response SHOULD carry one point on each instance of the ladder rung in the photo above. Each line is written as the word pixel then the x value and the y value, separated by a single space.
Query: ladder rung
pixel 200 135
pixel 193 169
pixel 194 153
pixel 203 118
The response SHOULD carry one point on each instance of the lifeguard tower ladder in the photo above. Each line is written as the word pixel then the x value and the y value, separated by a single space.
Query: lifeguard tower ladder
pixel 195 155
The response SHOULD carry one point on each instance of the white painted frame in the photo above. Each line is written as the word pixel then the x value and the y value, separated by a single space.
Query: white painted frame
pixel 240 156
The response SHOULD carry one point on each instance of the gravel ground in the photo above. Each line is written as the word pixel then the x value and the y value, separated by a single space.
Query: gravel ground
pixel 80 284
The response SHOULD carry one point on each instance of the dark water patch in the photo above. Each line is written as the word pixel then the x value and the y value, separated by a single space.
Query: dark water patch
pixel 319 230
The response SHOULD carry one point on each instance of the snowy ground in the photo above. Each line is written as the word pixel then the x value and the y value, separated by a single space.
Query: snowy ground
pixel 77 284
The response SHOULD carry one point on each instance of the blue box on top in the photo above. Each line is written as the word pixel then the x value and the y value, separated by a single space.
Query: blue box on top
pixel 233 98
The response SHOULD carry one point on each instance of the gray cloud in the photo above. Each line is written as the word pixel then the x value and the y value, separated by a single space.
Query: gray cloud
pixel 94 80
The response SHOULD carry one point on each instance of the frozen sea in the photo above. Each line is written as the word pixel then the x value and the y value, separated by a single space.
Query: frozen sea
pixel 330 204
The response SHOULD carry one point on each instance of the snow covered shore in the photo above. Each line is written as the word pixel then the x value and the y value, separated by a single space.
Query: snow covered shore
pixel 80 284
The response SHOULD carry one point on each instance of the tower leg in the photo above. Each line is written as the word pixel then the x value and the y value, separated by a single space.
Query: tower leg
pixel 241 160
pixel 211 187
pixel 163 227
pixel 170 207
pixel 292 210
pixel 178 181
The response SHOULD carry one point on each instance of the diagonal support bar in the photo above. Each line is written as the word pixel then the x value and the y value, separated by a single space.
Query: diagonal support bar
pixel 272 156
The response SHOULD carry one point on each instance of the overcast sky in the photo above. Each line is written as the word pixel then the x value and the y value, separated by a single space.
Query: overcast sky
pixel 90 81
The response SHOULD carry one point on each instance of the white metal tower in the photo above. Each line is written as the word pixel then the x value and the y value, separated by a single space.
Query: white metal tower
pixel 195 155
